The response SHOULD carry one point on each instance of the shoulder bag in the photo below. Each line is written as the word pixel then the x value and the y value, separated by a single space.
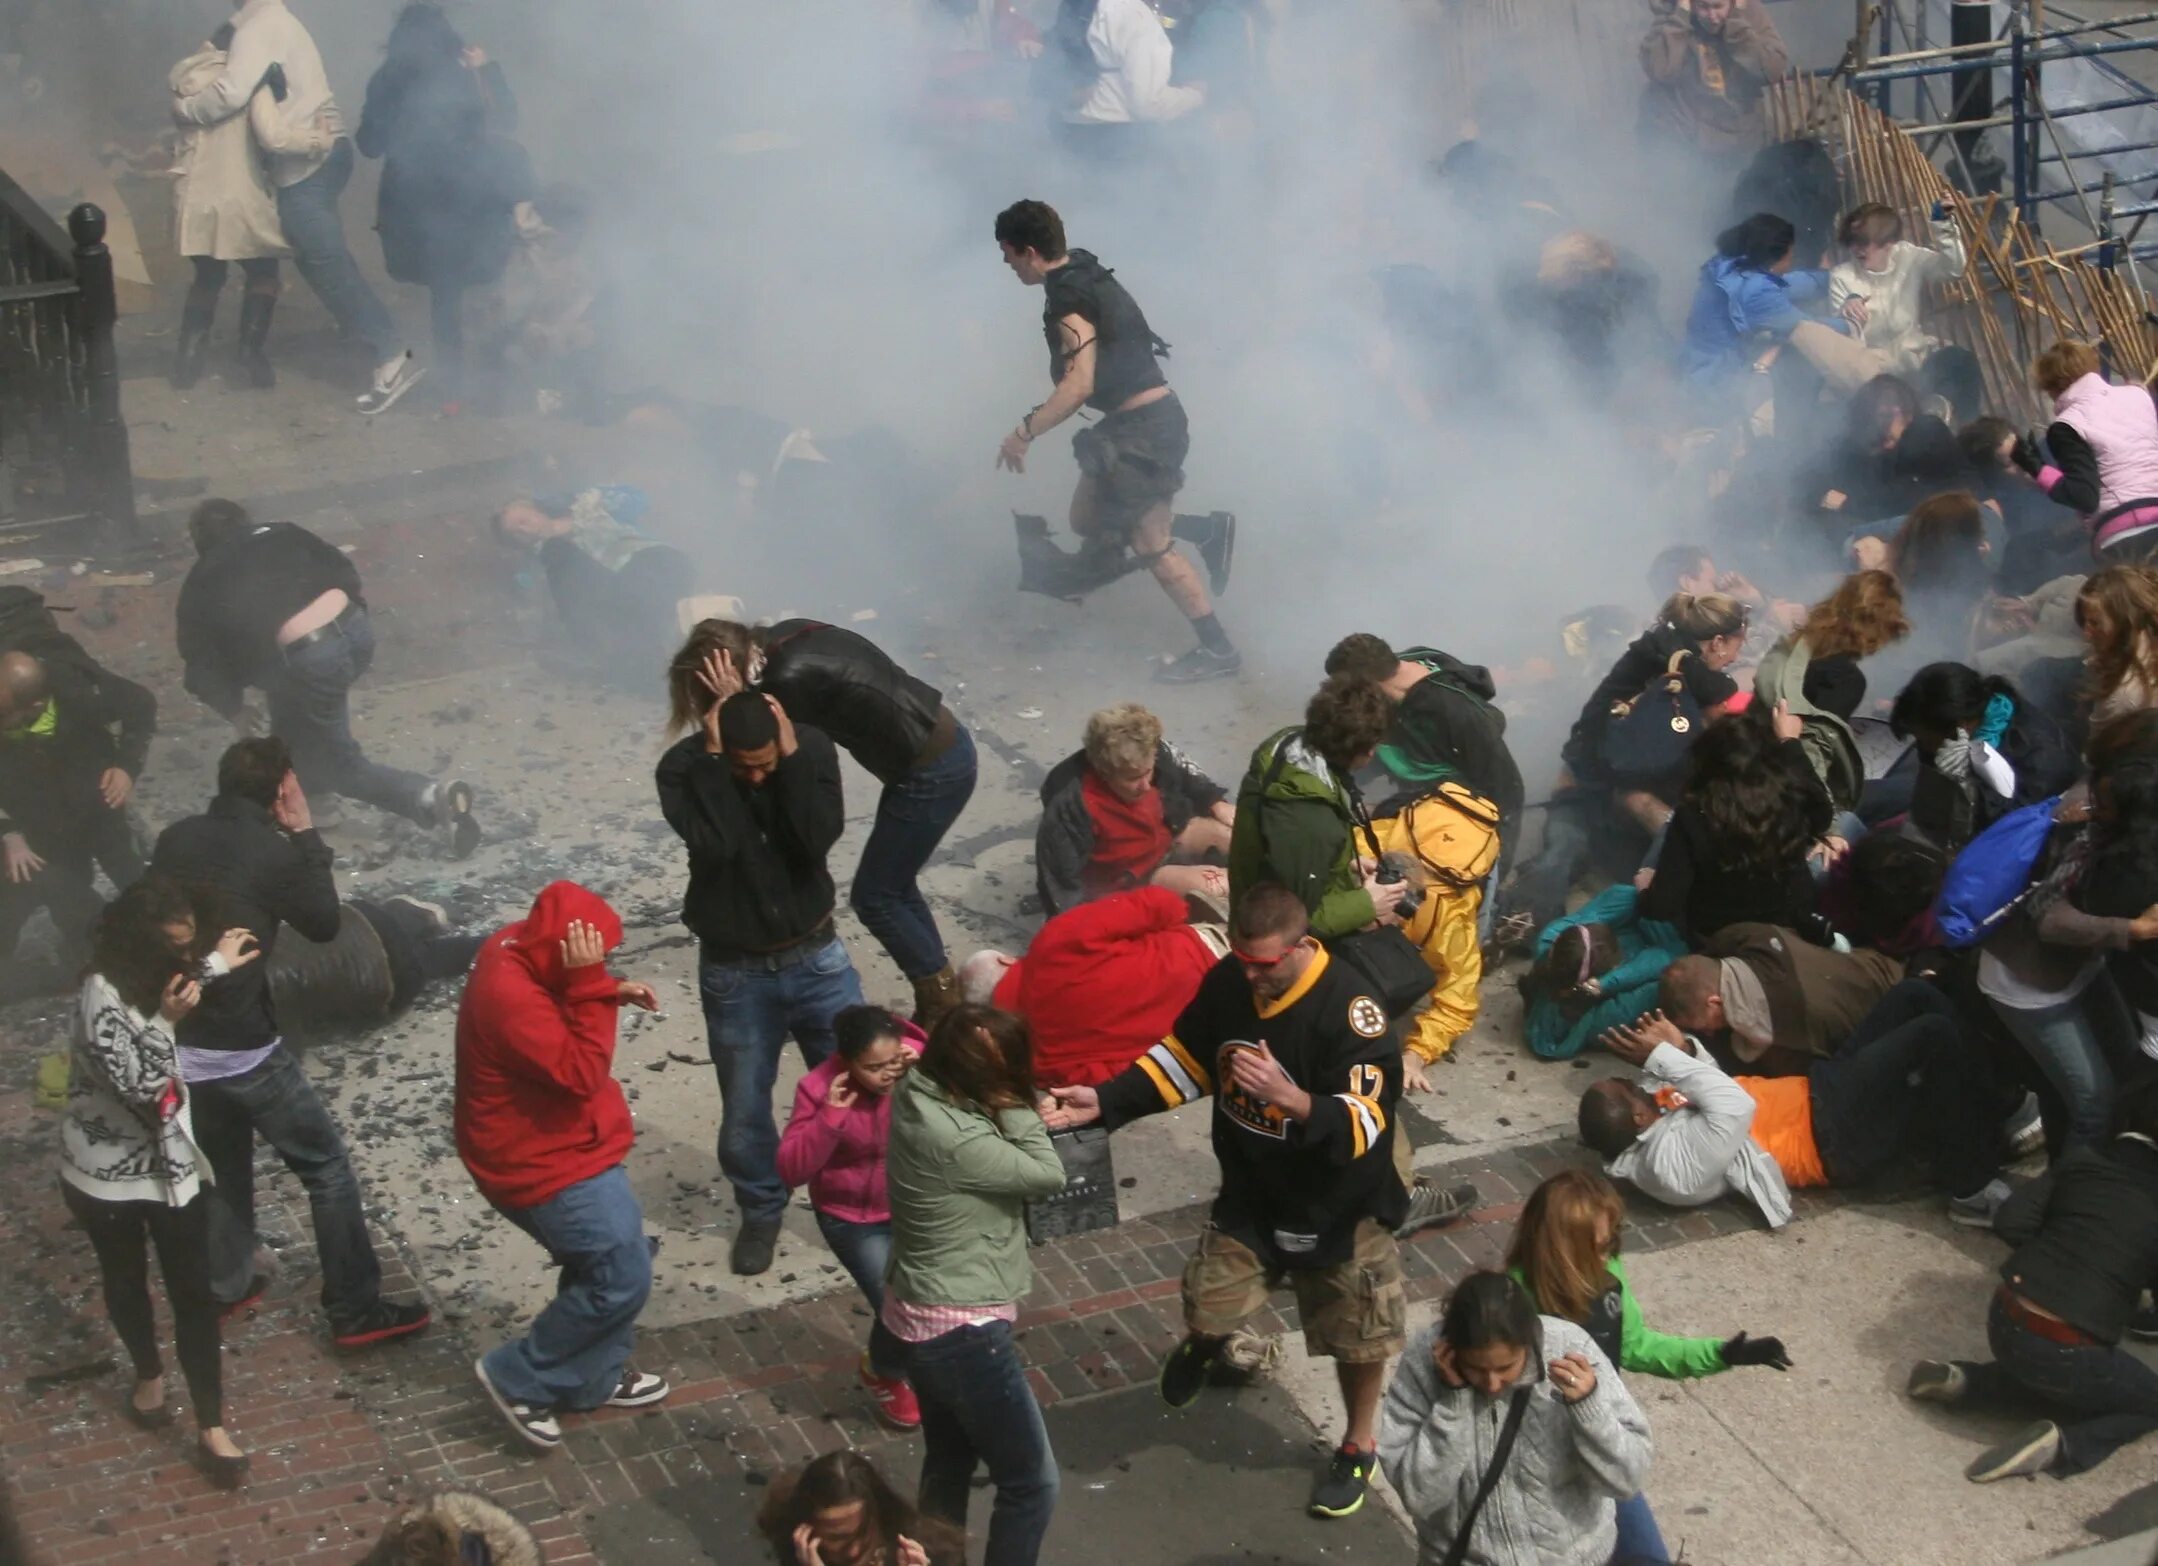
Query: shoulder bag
pixel 1516 1411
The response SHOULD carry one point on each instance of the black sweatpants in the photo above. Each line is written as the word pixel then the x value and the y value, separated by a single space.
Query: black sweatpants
pixel 1904 1081
pixel 122 1233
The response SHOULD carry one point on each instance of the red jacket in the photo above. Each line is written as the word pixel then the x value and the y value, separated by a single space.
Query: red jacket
pixel 538 1108
pixel 1103 982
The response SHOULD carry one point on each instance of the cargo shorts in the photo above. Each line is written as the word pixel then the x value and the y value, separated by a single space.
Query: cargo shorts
pixel 1136 460
pixel 1355 1311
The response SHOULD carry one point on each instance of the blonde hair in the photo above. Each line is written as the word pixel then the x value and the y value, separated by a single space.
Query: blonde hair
pixel 1704 616
pixel 1554 1246
pixel 1122 738
pixel 687 698
pixel 2062 365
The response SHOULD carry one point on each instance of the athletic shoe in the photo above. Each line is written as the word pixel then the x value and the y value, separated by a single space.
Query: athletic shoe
pixel 896 1404
pixel 2025 1130
pixel 1431 1204
pixel 638 1389
pixel 436 916
pixel 1935 1381
pixel 1201 663
pixel 535 1426
pixel 383 1321
pixel 753 1247
pixel 257 1287
pixel 1977 1211
pixel 1183 1373
pixel 2143 1325
pixel 1218 550
pixel 392 381
pixel 2031 1450
pixel 1347 1480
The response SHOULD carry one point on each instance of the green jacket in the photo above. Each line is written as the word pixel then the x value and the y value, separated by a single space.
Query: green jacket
pixel 959 1183
pixel 1654 1353
pixel 1294 825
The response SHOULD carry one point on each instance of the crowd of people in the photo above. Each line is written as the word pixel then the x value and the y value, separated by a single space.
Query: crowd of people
pixel 1855 878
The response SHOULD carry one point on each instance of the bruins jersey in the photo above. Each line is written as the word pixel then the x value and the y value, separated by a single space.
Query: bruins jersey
pixel 1293 1190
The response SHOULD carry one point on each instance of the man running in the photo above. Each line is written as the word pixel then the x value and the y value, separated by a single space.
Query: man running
pixel 1102 354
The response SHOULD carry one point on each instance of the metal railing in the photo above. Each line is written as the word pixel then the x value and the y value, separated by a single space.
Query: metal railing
pixel 66 482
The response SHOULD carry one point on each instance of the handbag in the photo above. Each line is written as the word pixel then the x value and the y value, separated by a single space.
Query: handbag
pixel 1648 737
pixel 1516 1411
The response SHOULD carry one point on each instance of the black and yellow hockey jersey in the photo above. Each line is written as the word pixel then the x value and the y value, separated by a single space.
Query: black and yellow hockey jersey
pixel 1292 1190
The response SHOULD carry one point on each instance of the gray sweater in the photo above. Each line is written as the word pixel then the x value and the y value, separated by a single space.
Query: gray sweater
pixel 1571 1463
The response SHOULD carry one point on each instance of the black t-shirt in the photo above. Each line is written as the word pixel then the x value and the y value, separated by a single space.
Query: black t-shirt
pixel 1124 345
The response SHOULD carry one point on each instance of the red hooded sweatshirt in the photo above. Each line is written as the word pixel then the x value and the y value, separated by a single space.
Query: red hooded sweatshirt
pixel 538 1108
pixel 1102 982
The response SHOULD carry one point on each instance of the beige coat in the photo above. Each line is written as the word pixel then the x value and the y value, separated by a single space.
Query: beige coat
pixel 223 203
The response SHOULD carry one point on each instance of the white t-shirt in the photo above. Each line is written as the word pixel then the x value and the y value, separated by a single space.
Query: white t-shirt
pixel 1131 49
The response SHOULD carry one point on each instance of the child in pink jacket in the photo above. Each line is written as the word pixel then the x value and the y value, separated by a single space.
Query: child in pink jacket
pixel 834 1144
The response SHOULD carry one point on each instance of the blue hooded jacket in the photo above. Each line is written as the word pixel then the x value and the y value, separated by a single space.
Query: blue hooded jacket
pixel 1733 304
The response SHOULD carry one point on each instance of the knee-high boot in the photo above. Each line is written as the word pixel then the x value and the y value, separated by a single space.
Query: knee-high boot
pixel 194 344
pixel 256 308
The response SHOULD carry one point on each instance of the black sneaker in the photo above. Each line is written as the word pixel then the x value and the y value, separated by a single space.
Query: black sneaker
pixel 1341 1491
pixel 1201 663
pixel 639 1389
pixel 1431 1204
pixel 1183 1373
pixel 382 1321
pixel 1218 550
pixel 753 1247
pixel 2143 1325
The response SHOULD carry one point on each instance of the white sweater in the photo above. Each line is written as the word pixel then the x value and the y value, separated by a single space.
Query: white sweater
pixel 1896 296
pixel 265 33
pixel 115 1145
pixel 1131 49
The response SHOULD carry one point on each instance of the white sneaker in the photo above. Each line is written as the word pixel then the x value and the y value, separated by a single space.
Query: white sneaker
pixel 1978 1211
pixel 392 381
pixel 2025 1129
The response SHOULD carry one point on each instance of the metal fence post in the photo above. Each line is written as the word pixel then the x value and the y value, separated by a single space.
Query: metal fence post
pixel 2020 136
pixel 111 474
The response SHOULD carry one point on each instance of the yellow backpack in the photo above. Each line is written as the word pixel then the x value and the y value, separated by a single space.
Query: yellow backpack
pixel 1454 833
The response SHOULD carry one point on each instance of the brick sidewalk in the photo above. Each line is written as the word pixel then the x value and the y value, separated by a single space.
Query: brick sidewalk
pixel 338 1440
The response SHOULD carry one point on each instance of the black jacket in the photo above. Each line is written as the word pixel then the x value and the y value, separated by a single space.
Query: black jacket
pixel 2086 1236
pixel 1447 725
pixel 1064 842
pixel 238 597
pixel 757 876
pixel 1124 345
pixel 49 782
pixel 451 174
pixel 844 684
pixel 1648 656
pixel 1698 893
pixel 246 871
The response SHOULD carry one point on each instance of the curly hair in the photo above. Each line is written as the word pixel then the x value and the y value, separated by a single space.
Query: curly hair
pixel 1345 720
pixel 1361 655
pixel 1863 615
pixel 1758 815
pixel 129 948
pixel 1122 738
pixel 2117 610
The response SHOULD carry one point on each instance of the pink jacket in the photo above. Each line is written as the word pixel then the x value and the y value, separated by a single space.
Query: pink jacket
pixel 839 1153
pixel 2122 429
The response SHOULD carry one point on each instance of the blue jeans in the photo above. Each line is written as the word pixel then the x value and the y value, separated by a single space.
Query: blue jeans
pixel 749 1009
pixel 1540 885
pixel 1640 1541
pixel 308 213
pixel 977 1408
pixel 912 817
pixel 310 710
pixel 276 1102
pixel 573 1354
pixel 2113 1394
pixel 865 1250
pixel 2075 1045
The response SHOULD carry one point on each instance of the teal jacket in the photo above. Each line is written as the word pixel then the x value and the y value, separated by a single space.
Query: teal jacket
pixel 1654 1353
pixel 959 1182
pixel 1647 947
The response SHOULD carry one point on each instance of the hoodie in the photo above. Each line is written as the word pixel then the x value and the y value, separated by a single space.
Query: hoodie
pixel 1296 824
pixel 839 1153
pixel 538 1108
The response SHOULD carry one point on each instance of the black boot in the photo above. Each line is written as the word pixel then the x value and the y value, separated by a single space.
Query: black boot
pixel 1214 536
pixel 255 312
pixel 194 345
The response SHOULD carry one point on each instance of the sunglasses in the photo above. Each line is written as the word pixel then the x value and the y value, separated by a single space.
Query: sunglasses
pixel 1249 961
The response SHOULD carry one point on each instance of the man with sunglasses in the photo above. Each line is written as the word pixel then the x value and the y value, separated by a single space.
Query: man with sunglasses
pixel 1301 1062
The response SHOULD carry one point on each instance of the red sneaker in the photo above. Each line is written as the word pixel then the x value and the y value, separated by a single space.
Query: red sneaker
pixel 896 1406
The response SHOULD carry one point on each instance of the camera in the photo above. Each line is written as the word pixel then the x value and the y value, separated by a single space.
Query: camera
pixel 1393 869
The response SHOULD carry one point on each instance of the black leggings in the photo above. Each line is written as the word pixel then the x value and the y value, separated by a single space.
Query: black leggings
pixel 121 1234
pixel 209 278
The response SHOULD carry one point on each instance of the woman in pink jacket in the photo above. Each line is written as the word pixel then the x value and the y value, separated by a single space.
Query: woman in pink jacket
pixel 834 1144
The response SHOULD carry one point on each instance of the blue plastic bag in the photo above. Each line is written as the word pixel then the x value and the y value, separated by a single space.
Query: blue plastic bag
pixel 1993 874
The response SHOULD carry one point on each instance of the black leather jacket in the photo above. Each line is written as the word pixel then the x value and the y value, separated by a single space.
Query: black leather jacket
pixel 874 710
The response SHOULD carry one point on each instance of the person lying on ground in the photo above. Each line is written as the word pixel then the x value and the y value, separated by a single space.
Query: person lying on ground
pixel 1774 999
pixel 615 588
pixel 1128 809
pixel 1594 969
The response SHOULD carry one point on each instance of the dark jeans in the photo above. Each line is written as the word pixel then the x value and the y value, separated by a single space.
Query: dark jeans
pixel 573 1354
pixel 1640 1541
pixel 67 886
pixel 749 1009
pixel 446 319
pixel 2076 1045
pixel 121 1234
pixel 310 710
pixel 1541 884
pixel 308 213
pixel 276 1101
pixel 977 1408
pixel 864 1249
pixel 1904 1080
pixel 2112 1394
pixel 912 817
